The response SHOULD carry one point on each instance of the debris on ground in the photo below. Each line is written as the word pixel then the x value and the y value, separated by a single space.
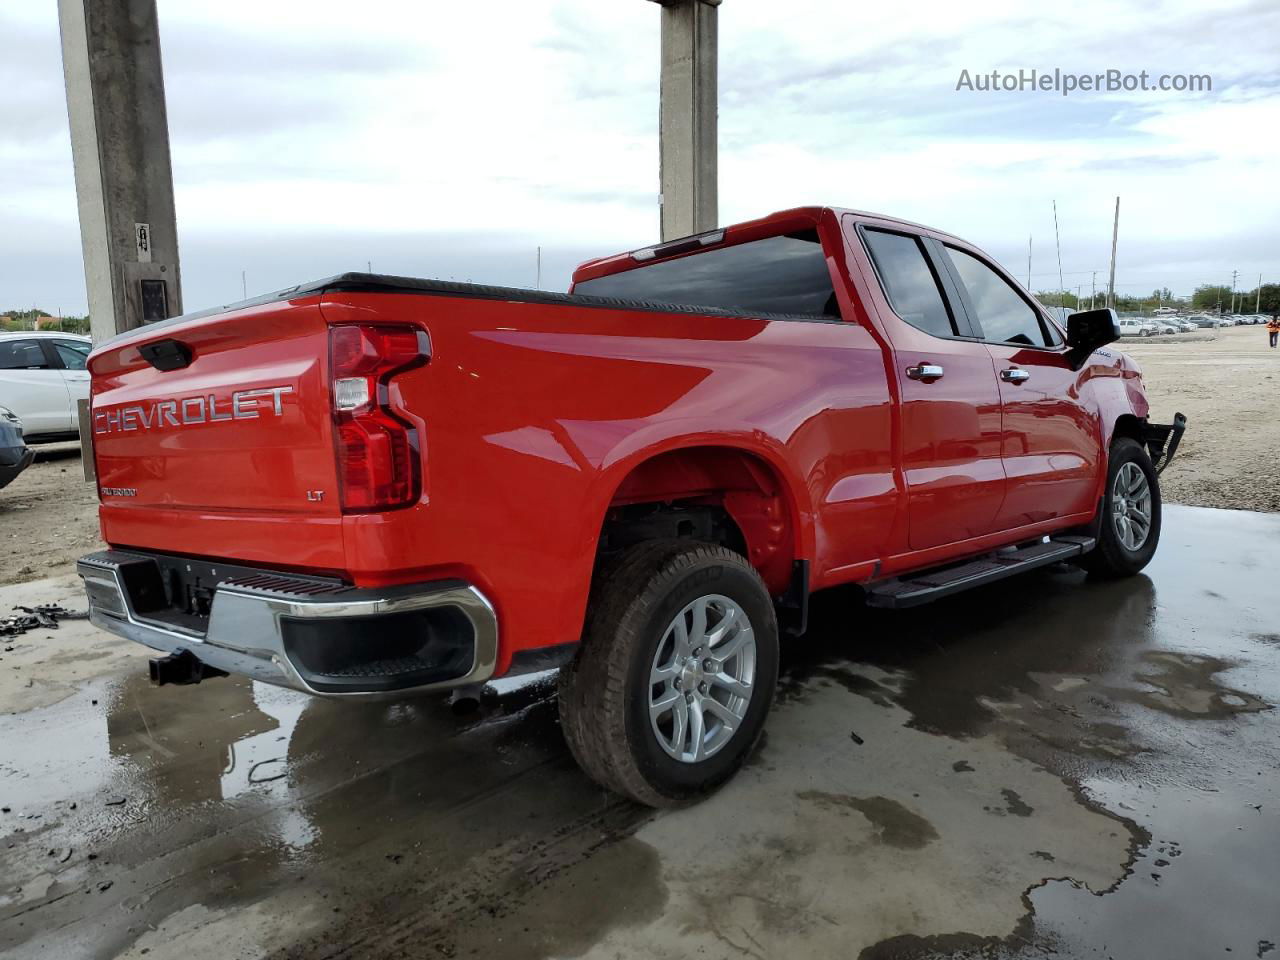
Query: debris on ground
pixel 45 616
pixel 267 778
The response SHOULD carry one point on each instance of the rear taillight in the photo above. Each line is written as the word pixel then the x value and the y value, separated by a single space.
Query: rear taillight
pixel 379 461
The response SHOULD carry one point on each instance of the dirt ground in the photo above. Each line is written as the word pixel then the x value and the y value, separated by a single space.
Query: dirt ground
pixel 48 516
pixel 1230 391
pixel 1230 457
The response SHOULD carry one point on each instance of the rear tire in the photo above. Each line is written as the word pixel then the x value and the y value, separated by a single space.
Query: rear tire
pixel 1129 531
pixel 676 672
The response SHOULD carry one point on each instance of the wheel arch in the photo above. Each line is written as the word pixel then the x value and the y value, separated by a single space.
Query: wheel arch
pixel 749 479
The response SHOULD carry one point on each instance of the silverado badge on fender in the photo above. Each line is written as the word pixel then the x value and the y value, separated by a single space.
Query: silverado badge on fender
pixel 242 405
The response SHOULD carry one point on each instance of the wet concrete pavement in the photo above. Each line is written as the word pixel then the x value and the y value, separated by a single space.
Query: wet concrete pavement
pixel 1051 766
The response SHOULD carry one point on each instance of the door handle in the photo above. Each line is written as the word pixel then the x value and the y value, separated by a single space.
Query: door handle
pixel 925 371
pixel 1014 375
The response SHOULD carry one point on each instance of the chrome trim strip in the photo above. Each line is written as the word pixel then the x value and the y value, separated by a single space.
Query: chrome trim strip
pixel 245 636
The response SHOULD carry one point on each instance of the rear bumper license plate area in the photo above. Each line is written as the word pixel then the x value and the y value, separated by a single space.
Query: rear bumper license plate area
pixel 312 634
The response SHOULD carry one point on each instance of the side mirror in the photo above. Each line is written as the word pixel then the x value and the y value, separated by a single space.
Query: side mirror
pixel 1087 331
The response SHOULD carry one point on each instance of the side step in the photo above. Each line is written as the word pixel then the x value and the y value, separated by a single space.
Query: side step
pixel 918 588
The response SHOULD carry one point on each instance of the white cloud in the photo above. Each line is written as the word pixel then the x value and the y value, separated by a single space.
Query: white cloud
pixel 297 126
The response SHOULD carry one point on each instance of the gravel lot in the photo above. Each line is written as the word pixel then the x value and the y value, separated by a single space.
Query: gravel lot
pixel 1230 391
pixel 48 516
pixel 1229 387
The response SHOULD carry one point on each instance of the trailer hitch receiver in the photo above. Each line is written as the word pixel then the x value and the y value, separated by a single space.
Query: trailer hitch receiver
pixel 182 667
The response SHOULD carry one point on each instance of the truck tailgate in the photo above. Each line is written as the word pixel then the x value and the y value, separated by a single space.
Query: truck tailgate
pixel 239 437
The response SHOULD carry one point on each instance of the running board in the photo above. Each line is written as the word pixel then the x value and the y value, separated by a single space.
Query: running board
pixel 918 588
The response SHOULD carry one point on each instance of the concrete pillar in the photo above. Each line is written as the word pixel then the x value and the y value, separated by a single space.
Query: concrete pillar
pixel 120 145
pixel 687 117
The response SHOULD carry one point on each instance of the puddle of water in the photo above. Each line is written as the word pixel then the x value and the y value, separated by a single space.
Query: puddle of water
pixel 1208 874
pixel 932 757
pixel 157 799
pixel 1155 694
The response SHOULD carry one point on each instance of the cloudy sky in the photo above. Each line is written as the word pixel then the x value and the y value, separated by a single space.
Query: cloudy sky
pixel 452 139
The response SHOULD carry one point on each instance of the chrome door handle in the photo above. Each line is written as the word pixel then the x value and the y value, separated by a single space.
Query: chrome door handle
pixel 1014 375
pixel 925 371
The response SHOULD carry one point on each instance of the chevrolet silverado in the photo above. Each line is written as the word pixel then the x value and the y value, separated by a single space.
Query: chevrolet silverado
pixel 374 485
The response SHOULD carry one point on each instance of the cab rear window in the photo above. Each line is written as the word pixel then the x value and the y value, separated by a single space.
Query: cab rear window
pixel 784 275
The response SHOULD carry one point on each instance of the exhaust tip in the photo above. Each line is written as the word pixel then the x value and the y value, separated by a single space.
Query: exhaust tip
pixel 464 701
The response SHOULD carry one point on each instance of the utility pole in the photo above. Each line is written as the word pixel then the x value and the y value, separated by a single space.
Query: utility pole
pixel 1093 291
pixel 244 287
pixel 120 148
pixel 538 281
pixel 1028 263
pixel 1115 237
pixel 1234 274
pixel 1257 300
pixel 1057 242
pixel 687 118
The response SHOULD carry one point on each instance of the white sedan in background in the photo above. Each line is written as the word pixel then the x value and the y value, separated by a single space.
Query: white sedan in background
pixel 42 375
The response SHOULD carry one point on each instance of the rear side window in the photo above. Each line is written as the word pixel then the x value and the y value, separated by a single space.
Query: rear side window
pixel 785 275
pixel 21 355
pixel 1003 315
pixel 73 353
pixel 909 282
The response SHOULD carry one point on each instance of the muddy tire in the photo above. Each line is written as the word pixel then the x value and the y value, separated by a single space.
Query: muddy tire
pixel 1129 531
pixel 676 673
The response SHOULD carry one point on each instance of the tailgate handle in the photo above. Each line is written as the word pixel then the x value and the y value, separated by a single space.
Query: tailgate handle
pixel 166 354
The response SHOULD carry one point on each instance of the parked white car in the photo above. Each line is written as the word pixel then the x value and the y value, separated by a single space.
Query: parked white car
pixel 1164 325
pixel 1135 327
pixel 42 375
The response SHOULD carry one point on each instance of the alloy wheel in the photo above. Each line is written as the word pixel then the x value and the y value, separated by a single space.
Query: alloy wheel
pixel 701 679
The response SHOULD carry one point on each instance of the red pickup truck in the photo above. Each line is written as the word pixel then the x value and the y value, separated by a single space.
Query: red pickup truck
pixel 376 485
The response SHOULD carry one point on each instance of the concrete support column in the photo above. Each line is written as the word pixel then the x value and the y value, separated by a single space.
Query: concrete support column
pixel 687 117
pixel 120 145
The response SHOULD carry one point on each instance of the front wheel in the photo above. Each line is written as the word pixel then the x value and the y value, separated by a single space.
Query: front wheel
pixel 1130 524
pixel 676 672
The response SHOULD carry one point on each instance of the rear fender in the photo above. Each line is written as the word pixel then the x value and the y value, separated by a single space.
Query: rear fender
pixel 765 459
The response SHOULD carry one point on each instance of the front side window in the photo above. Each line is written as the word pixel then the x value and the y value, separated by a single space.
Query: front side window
pixel 21 355
pixel 786 275
pixel 1003 315
pixel 73 353
pixel 909 282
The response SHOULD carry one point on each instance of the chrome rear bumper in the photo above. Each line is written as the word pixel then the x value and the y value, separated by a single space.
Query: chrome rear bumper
pixel 322 638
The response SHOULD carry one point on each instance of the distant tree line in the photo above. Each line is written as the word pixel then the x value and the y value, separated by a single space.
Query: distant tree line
pixel 1210 296
pixel 1207 297
pixel 1124 302
pixel 34 319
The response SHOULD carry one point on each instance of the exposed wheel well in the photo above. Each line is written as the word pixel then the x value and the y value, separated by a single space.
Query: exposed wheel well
pixel 713 494
pixel 1127 425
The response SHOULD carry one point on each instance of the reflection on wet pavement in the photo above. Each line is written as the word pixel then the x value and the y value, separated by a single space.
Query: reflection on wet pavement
pixel 1104 754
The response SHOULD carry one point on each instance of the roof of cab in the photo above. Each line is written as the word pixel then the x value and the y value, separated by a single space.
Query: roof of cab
pixel 761 226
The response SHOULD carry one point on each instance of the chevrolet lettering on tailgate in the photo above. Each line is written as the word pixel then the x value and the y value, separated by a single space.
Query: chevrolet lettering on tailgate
pixel 184 412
